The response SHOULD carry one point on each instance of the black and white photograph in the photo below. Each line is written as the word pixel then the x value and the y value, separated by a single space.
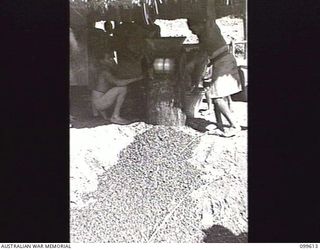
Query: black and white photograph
pixel 127 121
pixel 158 121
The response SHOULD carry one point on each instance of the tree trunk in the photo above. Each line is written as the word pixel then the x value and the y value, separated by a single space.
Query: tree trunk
pixel 165 95
pixel 165 102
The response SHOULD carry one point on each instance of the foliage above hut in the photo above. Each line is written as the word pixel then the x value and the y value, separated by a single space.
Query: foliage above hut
pixel 124 10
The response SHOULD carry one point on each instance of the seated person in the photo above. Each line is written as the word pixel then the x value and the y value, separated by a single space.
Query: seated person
pixel 110 89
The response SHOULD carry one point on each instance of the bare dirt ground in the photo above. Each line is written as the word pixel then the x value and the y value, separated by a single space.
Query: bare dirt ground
pixel 145 183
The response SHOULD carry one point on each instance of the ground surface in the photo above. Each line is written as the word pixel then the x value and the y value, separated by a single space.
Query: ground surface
pixel 145 183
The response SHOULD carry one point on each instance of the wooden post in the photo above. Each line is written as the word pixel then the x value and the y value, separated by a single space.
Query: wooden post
pixel 244 20
pixel 165 95
pixel 211 9
pixel 165 102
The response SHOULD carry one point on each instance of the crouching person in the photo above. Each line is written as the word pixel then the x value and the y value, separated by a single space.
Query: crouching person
pixel 109 90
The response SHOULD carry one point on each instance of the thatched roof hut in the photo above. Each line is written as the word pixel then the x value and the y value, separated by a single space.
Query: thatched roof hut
pixel 129 10
pixel 84 13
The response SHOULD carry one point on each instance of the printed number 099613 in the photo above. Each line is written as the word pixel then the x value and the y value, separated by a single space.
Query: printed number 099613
pixel 308 245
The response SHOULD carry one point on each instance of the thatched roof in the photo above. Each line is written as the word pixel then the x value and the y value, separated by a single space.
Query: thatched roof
pixel 125 10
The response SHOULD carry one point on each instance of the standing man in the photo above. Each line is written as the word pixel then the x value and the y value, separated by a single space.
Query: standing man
pixel 225 77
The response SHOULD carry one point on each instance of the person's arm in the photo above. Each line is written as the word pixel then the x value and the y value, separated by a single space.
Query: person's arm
pixel 121 82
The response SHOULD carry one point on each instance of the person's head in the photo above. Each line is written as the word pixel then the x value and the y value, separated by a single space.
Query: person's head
pixel 197 26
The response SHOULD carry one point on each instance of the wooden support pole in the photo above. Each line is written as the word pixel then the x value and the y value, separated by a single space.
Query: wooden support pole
pixel 211 9
pixel 165 103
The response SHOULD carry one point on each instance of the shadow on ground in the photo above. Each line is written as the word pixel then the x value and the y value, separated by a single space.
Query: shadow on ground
pixel 133 109
pixel 198 124
pixel 220 234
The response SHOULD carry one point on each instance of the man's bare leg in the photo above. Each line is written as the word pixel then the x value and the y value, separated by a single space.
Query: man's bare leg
pixel 95 112
pixel 224 108
pixel 116 118
pixel 210 105
pixel 217 113
pixel 219 129
pixel 104 101
pixel 229 101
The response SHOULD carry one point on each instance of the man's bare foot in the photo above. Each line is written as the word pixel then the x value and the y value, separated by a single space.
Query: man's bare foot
pixel 232 131
pixel 119 120
pixel 214 130
pixel 207 112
